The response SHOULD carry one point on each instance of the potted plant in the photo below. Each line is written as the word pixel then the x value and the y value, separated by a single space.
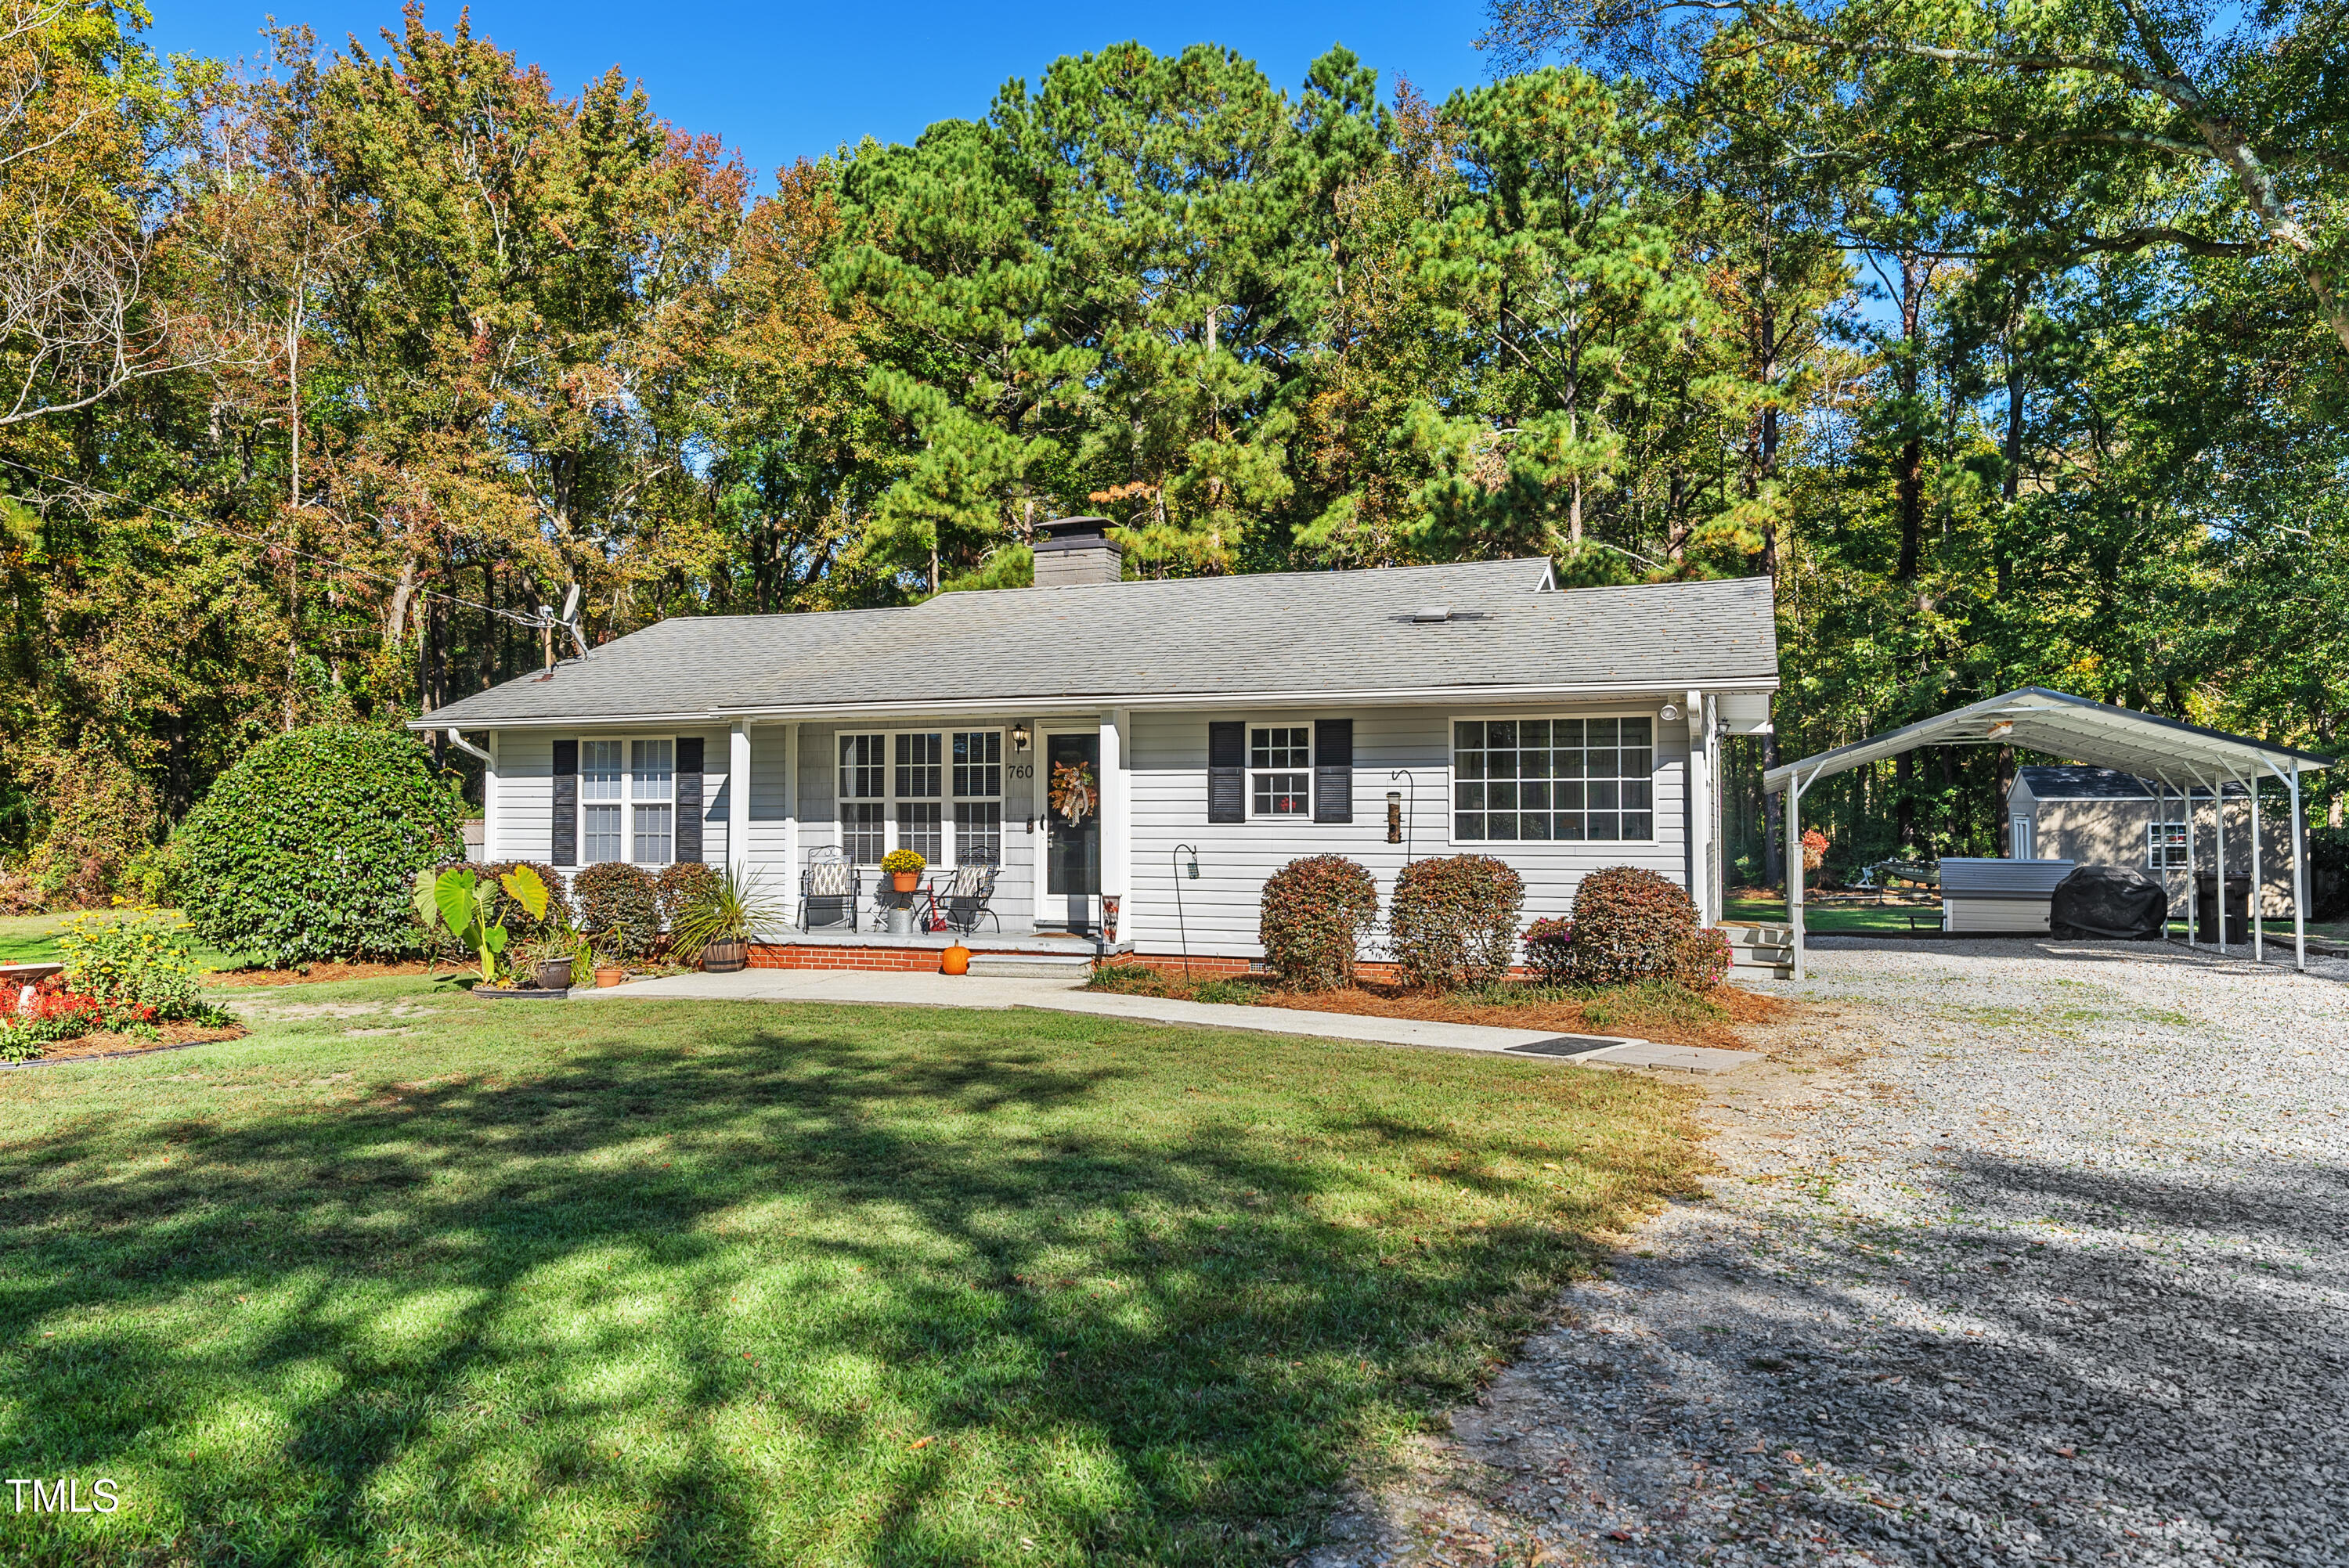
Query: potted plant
pixel 718 921
pixel 602 961
pixel 549 960
pixel 904 868
pixel 460 903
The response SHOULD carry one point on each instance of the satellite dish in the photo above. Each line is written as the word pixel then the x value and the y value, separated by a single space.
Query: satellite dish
pixel 571 603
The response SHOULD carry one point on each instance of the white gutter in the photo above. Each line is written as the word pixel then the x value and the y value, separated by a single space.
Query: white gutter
pixel 1431 696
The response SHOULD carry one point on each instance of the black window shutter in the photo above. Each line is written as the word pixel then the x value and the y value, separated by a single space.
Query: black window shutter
pixel 688 797
pixel 1333 769
pixel 1226 771
pixel 565 847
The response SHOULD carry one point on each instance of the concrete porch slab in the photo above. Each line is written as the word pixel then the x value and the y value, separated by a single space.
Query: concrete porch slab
pixel 901 990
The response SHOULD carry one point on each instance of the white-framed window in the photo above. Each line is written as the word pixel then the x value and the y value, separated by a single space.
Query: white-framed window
pixel 978 794
pixel 627 800
pixel 1280 769
pixel 899 790
pixel 1571 779
pixel 2165 846
pixel 864 796
pixel 601 766
pixel 652 801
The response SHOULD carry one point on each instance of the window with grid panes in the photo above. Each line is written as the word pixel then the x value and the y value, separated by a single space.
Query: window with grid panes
pixel 600 769
pixel 652 790
pixel 978 795
pixel 1280 770
pixel 920 784
pixel 2165 846
pixel 864 797
pixel 1576 779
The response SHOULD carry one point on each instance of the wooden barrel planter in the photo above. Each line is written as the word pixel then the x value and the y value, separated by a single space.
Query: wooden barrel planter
pixel 725 957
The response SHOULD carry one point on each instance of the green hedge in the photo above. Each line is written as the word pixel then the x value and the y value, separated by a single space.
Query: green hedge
pixel 309 848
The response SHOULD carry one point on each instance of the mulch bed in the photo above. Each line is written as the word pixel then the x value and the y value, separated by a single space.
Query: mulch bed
pixel 90 1047
pixel 320 972
pixel 1623 1015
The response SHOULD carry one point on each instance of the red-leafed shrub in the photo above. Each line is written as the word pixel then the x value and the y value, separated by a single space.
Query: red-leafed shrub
pixel 1633 925
pixel 681 886
pixel 1454 919
pixel 1313 913
pixel 1549 947
pixel 619 909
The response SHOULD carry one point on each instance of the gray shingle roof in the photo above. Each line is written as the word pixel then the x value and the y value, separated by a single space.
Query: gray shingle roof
pixel 2078 781
pixel 1337 633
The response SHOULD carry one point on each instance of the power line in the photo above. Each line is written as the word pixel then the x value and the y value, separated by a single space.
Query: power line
pixel 541 622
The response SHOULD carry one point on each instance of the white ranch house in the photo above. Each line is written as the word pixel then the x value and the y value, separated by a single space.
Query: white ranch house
pixel 1236 722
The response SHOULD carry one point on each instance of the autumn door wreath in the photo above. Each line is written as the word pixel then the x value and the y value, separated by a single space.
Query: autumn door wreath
pixel 1073 793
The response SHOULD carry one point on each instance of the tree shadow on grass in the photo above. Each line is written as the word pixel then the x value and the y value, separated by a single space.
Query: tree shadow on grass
pixel 783 1296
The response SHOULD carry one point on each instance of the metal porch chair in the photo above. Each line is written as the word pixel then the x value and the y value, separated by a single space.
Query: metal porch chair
pixel 828 890
pixel 964 900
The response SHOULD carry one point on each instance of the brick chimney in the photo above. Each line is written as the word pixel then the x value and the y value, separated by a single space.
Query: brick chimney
pixel 1074 550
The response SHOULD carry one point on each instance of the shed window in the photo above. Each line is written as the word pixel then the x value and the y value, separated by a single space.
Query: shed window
pixel 1280 770
pixel 1552 778
pixel 2165 846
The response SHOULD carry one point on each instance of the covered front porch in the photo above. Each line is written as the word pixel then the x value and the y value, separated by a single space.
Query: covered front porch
pixel 1014 863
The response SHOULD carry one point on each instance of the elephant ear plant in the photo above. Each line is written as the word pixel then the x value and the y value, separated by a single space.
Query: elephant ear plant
pixel 460 903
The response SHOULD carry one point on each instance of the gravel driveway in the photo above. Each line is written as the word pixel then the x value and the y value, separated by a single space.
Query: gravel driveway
pixel 2026 1251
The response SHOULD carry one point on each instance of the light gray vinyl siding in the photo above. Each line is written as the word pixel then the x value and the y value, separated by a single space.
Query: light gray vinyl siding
pixel 1220 908
pixel 522 825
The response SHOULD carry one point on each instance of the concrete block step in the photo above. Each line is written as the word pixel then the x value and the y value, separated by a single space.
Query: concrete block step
pixel 1073 968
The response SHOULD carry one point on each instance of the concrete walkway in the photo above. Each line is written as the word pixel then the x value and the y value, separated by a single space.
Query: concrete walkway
pixel 970 991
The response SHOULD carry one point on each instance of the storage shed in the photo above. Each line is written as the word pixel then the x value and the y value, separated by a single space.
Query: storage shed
pixel 2104 817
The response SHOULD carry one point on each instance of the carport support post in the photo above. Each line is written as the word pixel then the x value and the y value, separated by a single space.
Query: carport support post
pixel 2187 794
pixel 1795 869
pixel 2299 878
pixel 2259 948
pixel 2218 794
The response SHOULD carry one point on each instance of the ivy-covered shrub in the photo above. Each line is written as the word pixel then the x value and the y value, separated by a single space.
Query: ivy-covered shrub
pixel 135 957
pixel 309 848
pixel 1633 925
pixel 1455 920
pixel 1313 912
pixel 1549 948
pixel 619 909
pixel 682 887
pixel 103 820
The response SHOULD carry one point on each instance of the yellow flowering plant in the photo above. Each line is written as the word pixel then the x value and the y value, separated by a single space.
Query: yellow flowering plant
pixel 132 955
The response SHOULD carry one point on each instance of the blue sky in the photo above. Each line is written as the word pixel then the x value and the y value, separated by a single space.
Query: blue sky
pixel 782 81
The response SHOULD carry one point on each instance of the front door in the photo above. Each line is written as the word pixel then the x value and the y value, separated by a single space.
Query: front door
pixel 1071 849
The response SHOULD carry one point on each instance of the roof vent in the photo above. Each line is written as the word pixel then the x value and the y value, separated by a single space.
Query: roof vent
pixel 1432 613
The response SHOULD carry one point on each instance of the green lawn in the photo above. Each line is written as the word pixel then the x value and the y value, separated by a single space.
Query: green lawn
pixel 409 1278
pixel 1863 919
pixel 33 939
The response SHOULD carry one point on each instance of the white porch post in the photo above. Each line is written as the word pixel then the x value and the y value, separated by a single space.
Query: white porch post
pixel 738 795
pixel 2299 878
pixel 791 812
pixel 2259 948
pixel 1116 816
pixel 1795 867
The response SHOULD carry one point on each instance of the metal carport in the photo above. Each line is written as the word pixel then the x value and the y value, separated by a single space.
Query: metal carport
pixel 2177 755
